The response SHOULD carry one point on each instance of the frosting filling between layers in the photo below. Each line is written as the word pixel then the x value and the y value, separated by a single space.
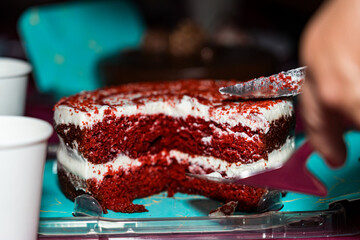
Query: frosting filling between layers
pixel 73 162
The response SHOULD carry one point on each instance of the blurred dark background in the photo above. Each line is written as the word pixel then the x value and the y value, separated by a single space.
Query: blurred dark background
pixel 281 19
pixel 238 39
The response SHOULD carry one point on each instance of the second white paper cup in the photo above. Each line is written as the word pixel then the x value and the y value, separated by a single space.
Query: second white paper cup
pixel 23 143
pixel 13 83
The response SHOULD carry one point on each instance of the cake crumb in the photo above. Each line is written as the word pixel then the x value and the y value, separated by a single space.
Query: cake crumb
pixel 227 209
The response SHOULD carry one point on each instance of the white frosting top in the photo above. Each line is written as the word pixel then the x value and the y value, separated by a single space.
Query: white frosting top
pixel 185 106
pixel 197 98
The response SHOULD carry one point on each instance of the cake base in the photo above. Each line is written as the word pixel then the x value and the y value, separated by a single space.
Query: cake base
pixel 117 191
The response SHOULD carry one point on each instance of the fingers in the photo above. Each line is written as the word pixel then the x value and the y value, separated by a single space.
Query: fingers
pixel 320 101
pixel 330 49
pixel 324 126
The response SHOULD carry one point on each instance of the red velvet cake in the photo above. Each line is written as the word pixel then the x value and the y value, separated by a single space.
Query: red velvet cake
pixel 132 141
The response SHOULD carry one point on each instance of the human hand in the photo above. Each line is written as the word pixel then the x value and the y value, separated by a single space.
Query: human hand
pixel 330 47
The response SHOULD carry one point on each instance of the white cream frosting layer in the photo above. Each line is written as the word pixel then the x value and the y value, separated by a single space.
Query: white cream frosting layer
pixel 73 162
pixel 275 159
pixel 183 107
pixel 76 164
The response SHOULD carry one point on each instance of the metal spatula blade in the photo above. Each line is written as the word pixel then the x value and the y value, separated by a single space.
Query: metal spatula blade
pixel 283 84
pixel 293 175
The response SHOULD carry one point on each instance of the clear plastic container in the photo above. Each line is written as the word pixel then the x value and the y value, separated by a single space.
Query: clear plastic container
pixel 339 220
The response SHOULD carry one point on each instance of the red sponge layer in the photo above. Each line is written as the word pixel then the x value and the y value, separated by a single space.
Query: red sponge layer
pixel 140 135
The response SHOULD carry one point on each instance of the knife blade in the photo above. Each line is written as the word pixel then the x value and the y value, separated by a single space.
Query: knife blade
pixel 283 84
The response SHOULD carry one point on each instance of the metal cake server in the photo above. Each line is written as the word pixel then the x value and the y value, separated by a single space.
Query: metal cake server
pixel 293 175
pixel 283 84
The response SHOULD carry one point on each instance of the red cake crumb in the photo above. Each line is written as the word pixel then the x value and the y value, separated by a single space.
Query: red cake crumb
pixel 227 209
pixel 285 82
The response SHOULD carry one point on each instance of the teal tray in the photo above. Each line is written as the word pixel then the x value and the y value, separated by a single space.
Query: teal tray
pixel 342 183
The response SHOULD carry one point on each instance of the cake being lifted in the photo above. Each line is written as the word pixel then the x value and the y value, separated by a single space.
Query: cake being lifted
pixel 132 141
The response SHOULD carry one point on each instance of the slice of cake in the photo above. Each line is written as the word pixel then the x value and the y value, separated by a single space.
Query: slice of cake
pixel 132 141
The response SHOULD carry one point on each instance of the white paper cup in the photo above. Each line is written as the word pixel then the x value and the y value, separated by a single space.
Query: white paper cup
pixel 13 82
pixel 23 142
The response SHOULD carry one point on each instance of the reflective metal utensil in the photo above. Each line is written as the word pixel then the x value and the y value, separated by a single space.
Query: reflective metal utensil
pixel 283 84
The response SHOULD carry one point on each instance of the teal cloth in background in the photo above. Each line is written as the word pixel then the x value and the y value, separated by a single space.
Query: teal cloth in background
pixel 65 42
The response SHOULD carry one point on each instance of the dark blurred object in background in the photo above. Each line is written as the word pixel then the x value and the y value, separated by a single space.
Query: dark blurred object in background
pixel 227 39
pixel 185 52
pixel 270 22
